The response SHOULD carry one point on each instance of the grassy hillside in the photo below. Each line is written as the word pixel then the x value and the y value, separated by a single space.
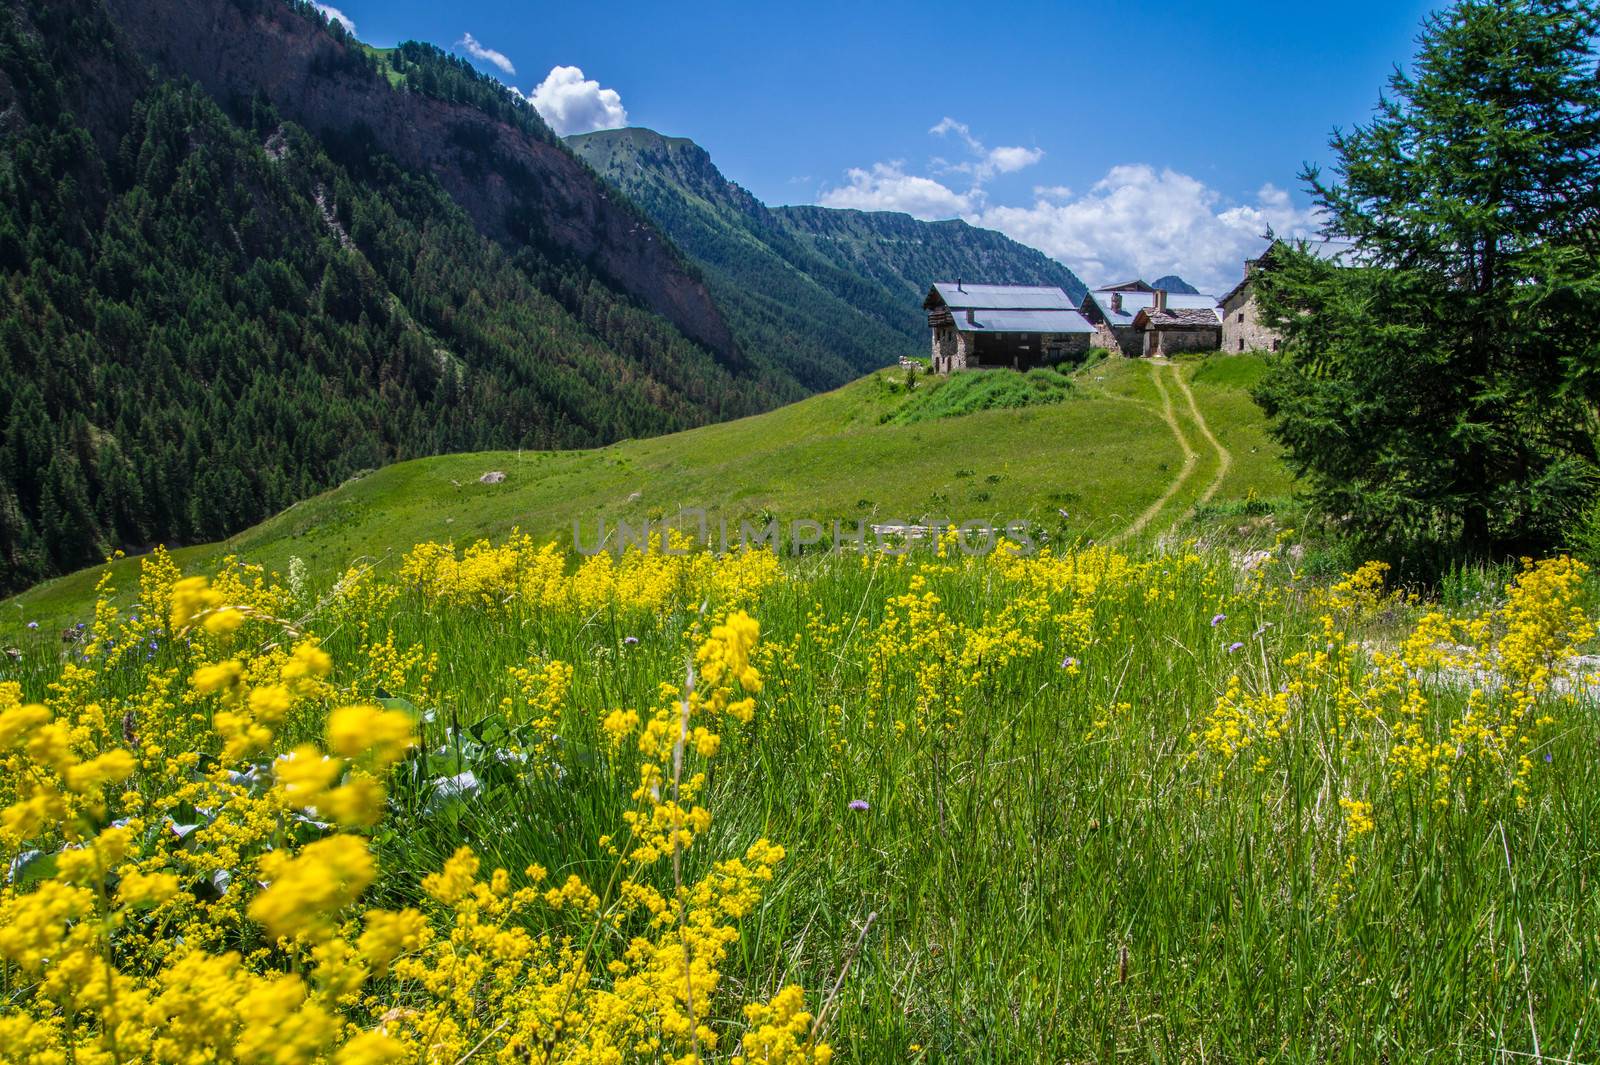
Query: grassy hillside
pixel 1123 453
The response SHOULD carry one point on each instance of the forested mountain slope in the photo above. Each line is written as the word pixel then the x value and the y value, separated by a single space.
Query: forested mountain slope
pixel 209 310
pixel 835 289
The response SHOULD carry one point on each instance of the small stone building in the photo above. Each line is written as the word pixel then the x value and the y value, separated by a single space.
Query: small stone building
pixel 1114 312
pixel 1014 327
pixel 1169 330
pixel 1244 328
pixel 1111 309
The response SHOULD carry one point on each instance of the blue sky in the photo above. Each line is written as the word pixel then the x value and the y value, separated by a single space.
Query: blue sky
pixel 1131 138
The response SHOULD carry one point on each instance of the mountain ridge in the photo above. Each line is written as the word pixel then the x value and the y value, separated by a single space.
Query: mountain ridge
pixel 1174 283
pixel 244 257
pixel 241 48
pixel 832 285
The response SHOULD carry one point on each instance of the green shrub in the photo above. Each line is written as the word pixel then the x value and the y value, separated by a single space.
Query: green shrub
pixel 1583 535
pixel 973 391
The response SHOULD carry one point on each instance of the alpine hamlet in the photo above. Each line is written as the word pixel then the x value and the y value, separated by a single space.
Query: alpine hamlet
pixel 1018 327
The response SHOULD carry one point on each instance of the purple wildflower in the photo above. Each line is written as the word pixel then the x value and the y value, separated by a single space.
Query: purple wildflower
pixel 1068 662
pixel 860 805
pixel 1232 647
pixel 630 640
pixel 1218 619
pixel 1547 756
pixel 33 624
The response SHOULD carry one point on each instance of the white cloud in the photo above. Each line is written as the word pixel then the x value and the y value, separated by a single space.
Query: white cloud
pixel 1007 160
pixel 986 162
pixel 887 187
pixel 960 129
pixel 1140 222
pixel 571 103
pixel 477 50
pixel 333 14
pixel 1136 221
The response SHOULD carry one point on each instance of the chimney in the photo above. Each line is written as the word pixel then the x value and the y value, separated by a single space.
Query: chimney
pixel 958 285
pixel 1116 302
pixel 1161 299
pixel 970 319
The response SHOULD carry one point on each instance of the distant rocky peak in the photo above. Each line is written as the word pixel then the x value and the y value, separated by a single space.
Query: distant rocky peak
pixel 1174 283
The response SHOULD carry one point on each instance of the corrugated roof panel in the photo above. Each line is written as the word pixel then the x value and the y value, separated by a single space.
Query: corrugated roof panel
pixel 1003 297
pixel 1013 321
pixel 1102 299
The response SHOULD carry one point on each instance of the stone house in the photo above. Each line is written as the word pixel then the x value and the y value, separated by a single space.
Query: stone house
pixel 1172 321
pixel 1166 330
pixel 1015 327
pixel 1111 309
pixel 1244 328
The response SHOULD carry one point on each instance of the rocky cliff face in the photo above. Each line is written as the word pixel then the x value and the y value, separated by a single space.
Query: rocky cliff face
pixel 516 186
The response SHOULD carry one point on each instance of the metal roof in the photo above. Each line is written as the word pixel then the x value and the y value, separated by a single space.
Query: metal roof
pixel 1134 302
pixel 1003 297
pixel 1012 321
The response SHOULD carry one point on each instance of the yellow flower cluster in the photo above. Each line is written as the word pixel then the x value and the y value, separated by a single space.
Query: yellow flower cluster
pixel 198 873
pixel 1451 713
pixel 653 580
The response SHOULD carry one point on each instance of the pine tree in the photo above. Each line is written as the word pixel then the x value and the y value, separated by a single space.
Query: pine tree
pixel 1438 399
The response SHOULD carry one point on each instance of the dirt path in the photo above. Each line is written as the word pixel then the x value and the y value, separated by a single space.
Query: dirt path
pixel 1190 455
pixel 1224 456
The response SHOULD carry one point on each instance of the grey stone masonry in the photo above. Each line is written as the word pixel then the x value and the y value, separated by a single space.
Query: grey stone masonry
pixel 1243 328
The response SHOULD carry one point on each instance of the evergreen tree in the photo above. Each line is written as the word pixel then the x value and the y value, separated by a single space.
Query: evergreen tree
pixel 1438 398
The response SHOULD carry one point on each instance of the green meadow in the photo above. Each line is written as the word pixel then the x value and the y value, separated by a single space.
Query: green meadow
pixel 1103 806
pixel 1125 449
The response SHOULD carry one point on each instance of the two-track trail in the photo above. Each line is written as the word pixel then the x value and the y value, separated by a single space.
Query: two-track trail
pixel 1191 457
pixel 1224 456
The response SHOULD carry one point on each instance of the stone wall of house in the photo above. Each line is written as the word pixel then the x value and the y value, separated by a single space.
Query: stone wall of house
pixel 1242 326
pixel 1117 339
pixel 1065 347
pixel 945 342
pixel 1104 337
pixel 958 351
pixel 1173 341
